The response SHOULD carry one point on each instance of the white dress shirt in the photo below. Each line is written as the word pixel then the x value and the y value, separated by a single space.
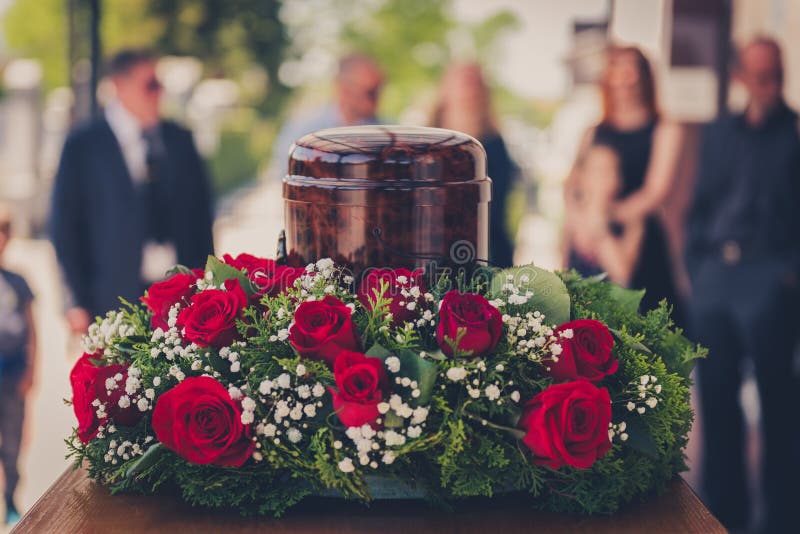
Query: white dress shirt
pixel 157 258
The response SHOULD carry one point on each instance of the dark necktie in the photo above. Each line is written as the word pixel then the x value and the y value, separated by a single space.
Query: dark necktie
pixel 156 191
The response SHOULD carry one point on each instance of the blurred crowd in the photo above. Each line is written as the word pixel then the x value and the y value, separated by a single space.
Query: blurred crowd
pixel 132 197
pixel 739 248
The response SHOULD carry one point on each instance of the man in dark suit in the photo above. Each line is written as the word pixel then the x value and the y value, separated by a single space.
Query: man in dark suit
pixel 131 197
pixel 743 258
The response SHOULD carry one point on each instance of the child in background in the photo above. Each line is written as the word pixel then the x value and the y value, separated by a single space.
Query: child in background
pixel 593 244
pixel 17 351
pixel 633 255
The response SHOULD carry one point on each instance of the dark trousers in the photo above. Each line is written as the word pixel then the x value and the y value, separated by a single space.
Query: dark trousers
pixel 740 311
pixel 12 413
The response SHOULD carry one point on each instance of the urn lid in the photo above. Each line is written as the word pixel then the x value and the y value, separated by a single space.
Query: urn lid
pixel 363 154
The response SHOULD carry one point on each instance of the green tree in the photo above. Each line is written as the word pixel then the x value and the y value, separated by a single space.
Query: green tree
pixel 46 39
pixel 229 36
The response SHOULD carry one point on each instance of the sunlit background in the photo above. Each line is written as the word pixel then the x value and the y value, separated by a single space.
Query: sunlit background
pixel 233 71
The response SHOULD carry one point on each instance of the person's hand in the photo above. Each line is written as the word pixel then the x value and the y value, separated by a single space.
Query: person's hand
pixel 78 320
pixel 584 242
pixel 625 212
pixel 25 383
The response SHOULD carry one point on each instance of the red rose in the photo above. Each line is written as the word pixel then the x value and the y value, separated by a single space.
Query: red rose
pixel 567 424
pixel 269 278
pixel 404 288
pixel 249 263
pixel 480 322
pixel 90 383
pixel 200 422
pixel 82 378
pixel 210 319
pixel 361 383
pixel 586 354
pixel 322 328
pixel 161 296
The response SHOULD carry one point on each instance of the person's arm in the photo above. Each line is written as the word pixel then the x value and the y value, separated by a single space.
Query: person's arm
pixel 26 382
pixel 69 229
pixel 702 199
pixel 618 256
pixel 667 145
pixel 571 183
pixel 795 188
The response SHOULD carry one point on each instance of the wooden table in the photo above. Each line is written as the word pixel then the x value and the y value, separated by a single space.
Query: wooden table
pixel 75 504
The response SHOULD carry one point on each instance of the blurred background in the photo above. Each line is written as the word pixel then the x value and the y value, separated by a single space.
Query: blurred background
pixel 234 71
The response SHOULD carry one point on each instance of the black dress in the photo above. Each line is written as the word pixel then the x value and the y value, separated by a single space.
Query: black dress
pixel 501 170
pixel 653 270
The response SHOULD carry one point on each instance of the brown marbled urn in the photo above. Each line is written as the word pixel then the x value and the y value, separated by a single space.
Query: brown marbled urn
pixel 387 196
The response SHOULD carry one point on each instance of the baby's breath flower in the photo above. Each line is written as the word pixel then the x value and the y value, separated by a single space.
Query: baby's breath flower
pixel 346 466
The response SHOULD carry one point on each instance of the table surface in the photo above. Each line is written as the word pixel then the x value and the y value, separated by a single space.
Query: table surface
pixel 76 504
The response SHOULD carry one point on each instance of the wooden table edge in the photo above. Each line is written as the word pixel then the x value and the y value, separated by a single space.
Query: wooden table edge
pixel 74 484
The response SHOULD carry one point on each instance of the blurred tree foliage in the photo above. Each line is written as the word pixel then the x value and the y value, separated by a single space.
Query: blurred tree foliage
pixel 46 39
pixel 229 36
pixel 409 39
pixel 413 40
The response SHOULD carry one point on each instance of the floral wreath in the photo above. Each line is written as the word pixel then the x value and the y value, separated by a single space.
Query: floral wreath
pixel 252 385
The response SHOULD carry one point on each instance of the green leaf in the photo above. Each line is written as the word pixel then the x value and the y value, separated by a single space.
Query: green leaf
pixel 221 272
pixel 421 370
pixel 639 438
pixel 550 296
pixel 378 351
pixel 689 355
pixel 627 299
pixel 179 269
pixel 144 461
pixel 414 367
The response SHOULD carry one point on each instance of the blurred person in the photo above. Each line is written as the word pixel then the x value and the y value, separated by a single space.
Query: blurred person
pixel 131 196
pixel 596 244
pixel 648 148
pixel 17 359
pixel 593 244
pixel 742 253
pixel 358 85
pixel 465 105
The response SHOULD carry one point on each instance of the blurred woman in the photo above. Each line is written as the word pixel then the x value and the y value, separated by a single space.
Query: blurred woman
pixel 647 148
pixel 465 105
